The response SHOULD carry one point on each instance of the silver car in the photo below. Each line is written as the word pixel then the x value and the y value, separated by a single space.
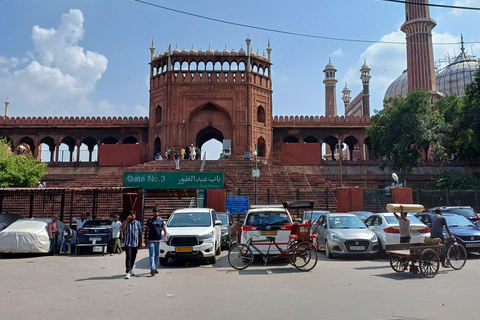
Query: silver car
pixel 345 234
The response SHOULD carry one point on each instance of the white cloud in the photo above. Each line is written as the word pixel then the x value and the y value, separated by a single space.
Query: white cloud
pixel 57 77
pixel 463 3
pixel 337 53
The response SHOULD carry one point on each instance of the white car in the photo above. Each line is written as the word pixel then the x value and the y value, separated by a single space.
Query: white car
pixel 386 227
pixel 262 222
pixel 27 236
pixel 192 233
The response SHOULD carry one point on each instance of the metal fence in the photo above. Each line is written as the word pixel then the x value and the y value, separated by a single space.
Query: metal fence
pixel 436 198
pixel 66 203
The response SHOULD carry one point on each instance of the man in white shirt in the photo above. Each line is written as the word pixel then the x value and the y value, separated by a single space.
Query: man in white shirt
pixel 80 221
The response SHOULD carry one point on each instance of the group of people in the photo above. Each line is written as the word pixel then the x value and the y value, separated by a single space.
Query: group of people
pixel 134 240
pixel 188 153
pixel 436 228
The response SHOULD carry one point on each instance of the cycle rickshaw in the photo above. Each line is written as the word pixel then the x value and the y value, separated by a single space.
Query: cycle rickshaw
pixel 300 250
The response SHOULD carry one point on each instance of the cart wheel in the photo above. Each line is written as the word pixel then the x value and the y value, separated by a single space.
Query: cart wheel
pixel 304 257
pixel 429 263
pixel 457 256
pixel 398 264
pixel 240 256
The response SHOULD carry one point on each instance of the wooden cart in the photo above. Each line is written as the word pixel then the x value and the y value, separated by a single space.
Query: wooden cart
pixel 423 257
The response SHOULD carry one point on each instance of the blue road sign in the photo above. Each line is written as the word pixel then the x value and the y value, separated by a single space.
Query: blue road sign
pixel 236 204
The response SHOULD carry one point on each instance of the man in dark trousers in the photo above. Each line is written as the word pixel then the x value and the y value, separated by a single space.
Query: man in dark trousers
pixel 155 226
pixel 133 240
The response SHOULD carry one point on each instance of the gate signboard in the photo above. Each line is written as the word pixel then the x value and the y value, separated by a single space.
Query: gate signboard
pixel 174 180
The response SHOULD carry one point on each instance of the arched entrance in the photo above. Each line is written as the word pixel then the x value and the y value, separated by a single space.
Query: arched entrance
pixel 210 141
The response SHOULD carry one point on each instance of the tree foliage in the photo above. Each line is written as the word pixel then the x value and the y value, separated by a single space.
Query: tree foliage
pixel 403 129
pixel 454 180
pixel 21 171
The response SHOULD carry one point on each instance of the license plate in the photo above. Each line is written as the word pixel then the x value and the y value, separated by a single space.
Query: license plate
pixel 357 248
pixel 95 239
pixel 97 249
pixel 472 245
pixel 183 249
pixel 268 233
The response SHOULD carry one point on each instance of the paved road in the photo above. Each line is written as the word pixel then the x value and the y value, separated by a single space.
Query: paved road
pixel 93 287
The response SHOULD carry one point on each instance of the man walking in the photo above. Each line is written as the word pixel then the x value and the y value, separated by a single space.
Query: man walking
pixel 155 226
pixel 133 240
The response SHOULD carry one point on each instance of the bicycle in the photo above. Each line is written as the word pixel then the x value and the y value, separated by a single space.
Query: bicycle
pixel 456 254
pixel 302 255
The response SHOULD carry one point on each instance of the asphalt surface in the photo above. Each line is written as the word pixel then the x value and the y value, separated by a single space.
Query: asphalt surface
pixel 93 287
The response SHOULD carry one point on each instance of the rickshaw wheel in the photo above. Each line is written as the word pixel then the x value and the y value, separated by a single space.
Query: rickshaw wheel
pixel 240 256
pixel 304 257
pixel 429 263
pixel 398 264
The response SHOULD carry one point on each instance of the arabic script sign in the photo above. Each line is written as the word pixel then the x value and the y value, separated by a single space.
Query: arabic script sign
pixel 174 180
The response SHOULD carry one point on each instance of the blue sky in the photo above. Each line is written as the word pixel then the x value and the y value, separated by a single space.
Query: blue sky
pixel 90 57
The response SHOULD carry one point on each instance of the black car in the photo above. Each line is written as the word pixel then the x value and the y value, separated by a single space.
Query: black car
pixel 466 233
pixel 229 229
pixel 465 211
pixel 96 231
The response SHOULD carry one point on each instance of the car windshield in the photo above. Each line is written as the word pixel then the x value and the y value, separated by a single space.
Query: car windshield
pixel 267 218
pixel 466 212
pixel 223 218
pixel 458 221
pixel 412 218
pixel 346 223
pixel 189 219
pixel 97 223
pixel 309 215
pixel 363 214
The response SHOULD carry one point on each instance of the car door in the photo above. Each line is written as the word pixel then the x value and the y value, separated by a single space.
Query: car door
pixel 321 231
pixel 216 229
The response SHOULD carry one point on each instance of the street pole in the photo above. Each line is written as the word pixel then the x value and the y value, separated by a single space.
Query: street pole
pixel 255 155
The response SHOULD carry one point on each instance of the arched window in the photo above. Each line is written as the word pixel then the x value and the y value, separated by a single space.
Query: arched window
pixel 310 139
pixel 158 114
pixel 261 114
pixel 291 139
pixel 261 147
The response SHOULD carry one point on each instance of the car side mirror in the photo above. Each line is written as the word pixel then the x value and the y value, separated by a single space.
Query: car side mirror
pixel 324 226
pixel 218 222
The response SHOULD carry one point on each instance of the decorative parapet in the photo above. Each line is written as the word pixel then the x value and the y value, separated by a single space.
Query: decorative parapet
pixel 69 121
pixel 318 121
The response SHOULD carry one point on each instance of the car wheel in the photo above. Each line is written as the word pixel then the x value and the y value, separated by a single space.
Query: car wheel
pixel 163 261
pixel 218 249
pixel 328 253
pixel 212 260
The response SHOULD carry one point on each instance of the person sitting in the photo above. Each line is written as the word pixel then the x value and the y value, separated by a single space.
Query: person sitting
pixel 68 237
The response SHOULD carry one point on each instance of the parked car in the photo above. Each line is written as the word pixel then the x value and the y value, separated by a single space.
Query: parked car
pixel 228 229
pixel 95 231
pixel 192 233
pixel 345 234
pixel 313 215
pixel 466 233
pixel 262 222
pixel 363 215
pixel 465 211
pixel 27 236
pixel 386 227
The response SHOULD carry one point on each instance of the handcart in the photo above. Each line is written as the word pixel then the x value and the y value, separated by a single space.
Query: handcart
pixel 426 256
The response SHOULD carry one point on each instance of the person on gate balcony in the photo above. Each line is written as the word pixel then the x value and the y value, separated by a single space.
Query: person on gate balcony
pixel 404 226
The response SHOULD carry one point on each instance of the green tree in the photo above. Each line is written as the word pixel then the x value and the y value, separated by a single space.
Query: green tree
pixel 470 123
pixel 403 130
pixel 21 171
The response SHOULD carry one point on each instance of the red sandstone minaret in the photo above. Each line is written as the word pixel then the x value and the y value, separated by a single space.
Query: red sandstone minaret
pixel 418 30
pixel 330 87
